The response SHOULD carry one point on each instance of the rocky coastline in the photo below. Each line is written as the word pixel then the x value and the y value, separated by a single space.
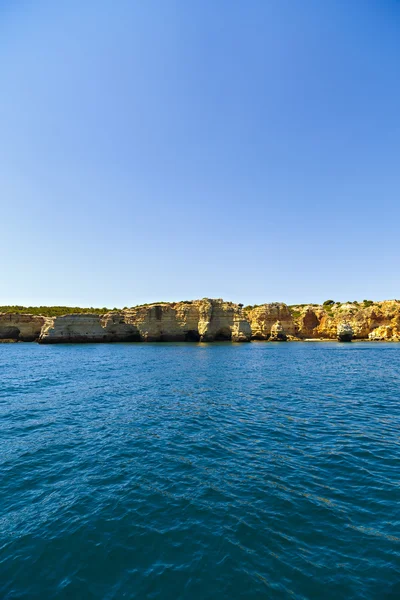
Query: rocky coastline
pixel 210 320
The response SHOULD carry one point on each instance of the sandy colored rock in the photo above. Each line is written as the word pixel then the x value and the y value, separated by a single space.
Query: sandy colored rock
pixel 309 322
pixel 222 321
pixel 200 320
pixel 87 328
pixel 278 334
pixel 385 333
pixel 262 318
pixel 20 327
pixel 164 322
pixel 322 322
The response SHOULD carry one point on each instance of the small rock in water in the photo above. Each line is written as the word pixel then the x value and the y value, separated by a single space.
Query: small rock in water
pixel 345 332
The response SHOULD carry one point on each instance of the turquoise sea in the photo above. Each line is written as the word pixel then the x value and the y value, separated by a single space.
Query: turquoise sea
pixel 200 471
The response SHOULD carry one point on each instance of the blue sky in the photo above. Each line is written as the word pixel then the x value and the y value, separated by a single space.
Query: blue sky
pixel 167 150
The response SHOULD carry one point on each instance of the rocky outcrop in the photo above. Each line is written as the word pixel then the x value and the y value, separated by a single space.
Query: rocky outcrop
pixel 308 323
pixel 385 333
pixel 262 319
pixel 278 334
pixel 221 321
pixel 210 320
pixel 345 332
pixel 164 322
pixel 16 327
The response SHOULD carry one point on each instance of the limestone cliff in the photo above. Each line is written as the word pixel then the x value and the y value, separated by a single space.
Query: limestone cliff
pixel 263 318
pixel 363 318
pixel 219 320
pixel 164 322
pixel 86 328
pixel 200 320
pixel 210 320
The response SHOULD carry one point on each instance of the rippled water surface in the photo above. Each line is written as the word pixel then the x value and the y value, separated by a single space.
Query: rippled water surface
pixel 200 471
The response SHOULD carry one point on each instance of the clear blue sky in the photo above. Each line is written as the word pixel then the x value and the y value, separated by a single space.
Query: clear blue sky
pixel 173 149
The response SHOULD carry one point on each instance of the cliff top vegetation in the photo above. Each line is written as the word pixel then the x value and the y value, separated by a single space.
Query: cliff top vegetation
pixel 52 311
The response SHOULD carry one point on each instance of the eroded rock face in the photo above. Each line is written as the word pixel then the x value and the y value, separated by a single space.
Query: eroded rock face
pixel 20 328
pixel 201 320
pixel 309 322
pixel 165 322
pixel 322 322
pixel 263 318
pixel 278 334
pixel 241 330
pixel 385 333
pixel 345 332
pixel 86 328
pixel 222 321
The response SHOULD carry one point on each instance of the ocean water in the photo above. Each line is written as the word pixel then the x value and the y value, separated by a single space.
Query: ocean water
pixel 200 471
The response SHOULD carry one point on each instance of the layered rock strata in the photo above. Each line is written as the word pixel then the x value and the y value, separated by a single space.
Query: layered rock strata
pixel 87 328
pixel 263 318
pixel 200 320
pixel 210 320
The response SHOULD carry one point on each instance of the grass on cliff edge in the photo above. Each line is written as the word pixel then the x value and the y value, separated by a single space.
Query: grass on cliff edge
pixel 57 311
pixel 52 311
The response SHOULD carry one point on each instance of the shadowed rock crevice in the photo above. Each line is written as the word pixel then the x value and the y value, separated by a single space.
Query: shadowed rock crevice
pixel 310 320
pixel 9 333
pixel 20 327
pixel 158 313
pixel 223 335
pixel 192 336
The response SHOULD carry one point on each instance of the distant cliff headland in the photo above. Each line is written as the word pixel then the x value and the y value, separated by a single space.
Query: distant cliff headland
pixel 206 320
